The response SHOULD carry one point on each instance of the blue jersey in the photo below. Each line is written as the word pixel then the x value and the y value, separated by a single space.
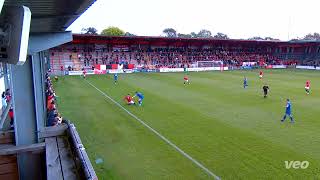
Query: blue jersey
pixel 288 108
pixel 115 76
pixel 245 81
pixel 140 95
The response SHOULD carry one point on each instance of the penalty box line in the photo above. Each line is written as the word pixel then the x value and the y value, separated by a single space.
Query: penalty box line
pixel 158 134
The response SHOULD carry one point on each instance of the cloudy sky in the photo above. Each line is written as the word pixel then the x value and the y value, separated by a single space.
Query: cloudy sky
pixel 280 19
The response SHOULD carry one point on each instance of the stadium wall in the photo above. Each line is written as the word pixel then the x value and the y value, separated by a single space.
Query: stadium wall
pixel 308 67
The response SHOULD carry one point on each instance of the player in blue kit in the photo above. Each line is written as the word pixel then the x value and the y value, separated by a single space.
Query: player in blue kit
pixel 140 96
pixel 288 112
pixel 115 78
pixel 245 82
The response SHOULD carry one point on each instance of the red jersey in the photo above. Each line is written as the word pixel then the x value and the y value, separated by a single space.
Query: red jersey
pixel 185 78
pixel 10 114
pixel 49 104
pixel 128 98
pixel 84 72
pixel 49 97
pixel 8 97
pixel 308 84
pixel 261 73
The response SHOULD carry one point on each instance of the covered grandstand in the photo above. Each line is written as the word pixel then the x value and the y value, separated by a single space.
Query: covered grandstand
pixel 87 51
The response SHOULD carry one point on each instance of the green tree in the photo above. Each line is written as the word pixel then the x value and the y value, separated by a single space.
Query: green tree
pixel 90 30
pixel 204 34
pixel 112 31
pixel 170 32
pixel 271 39
pixel 220 36
pixel 312 37
pixel 194 35
pixel 256 38
pixel 129 34
pixel 184 35
pixel 296 39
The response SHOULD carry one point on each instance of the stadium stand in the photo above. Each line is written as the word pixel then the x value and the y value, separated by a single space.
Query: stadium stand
pixel 86 51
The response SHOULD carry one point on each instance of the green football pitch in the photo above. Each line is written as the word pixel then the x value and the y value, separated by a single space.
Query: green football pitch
pixel 233 132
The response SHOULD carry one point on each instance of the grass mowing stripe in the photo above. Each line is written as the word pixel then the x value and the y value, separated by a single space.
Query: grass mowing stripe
pixel 158 134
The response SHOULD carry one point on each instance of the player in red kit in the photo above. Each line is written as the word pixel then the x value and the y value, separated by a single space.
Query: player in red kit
pixel 307 87
pixel 186 80
pixel 84 72
pixel 261 75
pixel 129 100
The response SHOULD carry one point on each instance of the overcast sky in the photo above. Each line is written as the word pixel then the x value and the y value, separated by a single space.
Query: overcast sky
pixel 236 18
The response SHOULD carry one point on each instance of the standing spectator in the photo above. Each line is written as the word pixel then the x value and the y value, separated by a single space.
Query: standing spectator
pixel 51 106
pixel 11 116
pixel 4 101
pixel 8 95
pixel 59 118
pixel 51 117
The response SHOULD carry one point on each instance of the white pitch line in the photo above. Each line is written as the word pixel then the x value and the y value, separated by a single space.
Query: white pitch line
pixel 158 134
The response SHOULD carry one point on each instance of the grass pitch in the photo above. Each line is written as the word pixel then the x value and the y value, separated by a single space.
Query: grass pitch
pixel 234 132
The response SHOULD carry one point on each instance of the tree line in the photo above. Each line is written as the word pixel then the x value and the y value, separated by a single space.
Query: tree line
pixel 110 31
pixel 204 33
pixel 309 37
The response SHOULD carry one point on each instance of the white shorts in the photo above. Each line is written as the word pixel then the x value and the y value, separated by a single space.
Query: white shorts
pixel 186 80
pixel 307 88
pixel 260 76
pixel 131 102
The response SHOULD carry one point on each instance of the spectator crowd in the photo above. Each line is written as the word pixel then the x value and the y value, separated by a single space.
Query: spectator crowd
pixel 5 100
pixel 89 55
pixel 54 118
